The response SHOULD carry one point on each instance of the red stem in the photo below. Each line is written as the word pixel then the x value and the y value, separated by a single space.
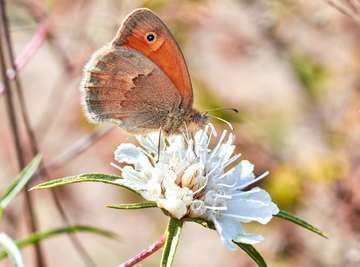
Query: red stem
pixel 30 49
pixel 2 88
pixel 145 253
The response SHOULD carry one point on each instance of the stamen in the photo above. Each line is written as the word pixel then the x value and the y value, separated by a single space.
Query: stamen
pixel 234 158
pixel 147 153
pixel 219 142
pixel 244 193
pixel 212 128
pixel 116 166
pixel 202 187
pixel 252 181
pixel 226 173
pixel 230 139
pixel 216 208
pixel 247 218
pixel 134 177
pixel 224 196
pixel 213 131
pixel 217 165
pixel 151 141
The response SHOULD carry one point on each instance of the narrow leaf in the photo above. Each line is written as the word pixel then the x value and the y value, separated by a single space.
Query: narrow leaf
pixel 81 178
pixel 253 253
pixel 172 240
pixel 86 177
pixel 249 249
pixel 292 218
pixel 11 249
pixel 132 206
pixel 20 181
pixel 39 236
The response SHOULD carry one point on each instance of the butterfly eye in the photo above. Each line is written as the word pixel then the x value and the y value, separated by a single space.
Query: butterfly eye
pixel 197 118
pixel 150 37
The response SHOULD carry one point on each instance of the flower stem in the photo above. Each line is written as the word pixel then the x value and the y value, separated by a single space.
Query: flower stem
pixel 30 49
pixel 145 253
pixel 172 240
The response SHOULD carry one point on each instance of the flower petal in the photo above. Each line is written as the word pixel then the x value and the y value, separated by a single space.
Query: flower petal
pixel 227 231
pixel 190 180
pixel 150 142
pixel 230 230
pixel 249 238
pixel 176 207
pixel 131 154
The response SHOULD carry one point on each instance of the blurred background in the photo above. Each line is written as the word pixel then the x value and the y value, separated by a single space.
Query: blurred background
pixel 290 67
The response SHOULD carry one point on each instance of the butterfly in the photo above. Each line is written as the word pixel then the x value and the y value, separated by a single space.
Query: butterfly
pixel 140 80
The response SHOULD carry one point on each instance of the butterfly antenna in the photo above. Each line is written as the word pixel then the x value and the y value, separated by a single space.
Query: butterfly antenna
pixel 206 113
pixel 226 108
pixel 220 119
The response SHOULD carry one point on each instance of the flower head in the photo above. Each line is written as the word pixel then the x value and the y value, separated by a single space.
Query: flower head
pixel 191 180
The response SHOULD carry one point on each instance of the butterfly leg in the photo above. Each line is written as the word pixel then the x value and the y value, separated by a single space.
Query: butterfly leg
pixel 193 145
pixel 159 143
pixel 189 136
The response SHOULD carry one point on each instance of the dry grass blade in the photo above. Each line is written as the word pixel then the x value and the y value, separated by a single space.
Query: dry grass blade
pixel 353 14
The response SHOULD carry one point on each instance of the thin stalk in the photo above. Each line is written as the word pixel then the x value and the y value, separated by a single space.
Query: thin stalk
pixel 145 253
pixel 172 241
pixel 30 50
pixel 38 14
pixel 346 11
pixel 13 123
pixel 36 41
pixel 75 150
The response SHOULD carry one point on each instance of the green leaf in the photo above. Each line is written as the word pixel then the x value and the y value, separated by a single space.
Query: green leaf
pixel 292 218
pixel 39 236
pixel 81 178
pixel 20 181
pixel 132 206
pixel 249 249
pixel 172 240
pixel 253 253
pixel 11 249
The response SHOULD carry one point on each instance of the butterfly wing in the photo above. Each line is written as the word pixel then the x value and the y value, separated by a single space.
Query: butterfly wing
pixel 125 87
pixel 162 50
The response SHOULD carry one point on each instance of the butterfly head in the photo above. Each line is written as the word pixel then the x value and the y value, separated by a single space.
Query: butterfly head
pixel 200 119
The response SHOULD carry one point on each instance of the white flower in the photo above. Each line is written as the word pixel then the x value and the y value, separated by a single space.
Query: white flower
pixel 191 180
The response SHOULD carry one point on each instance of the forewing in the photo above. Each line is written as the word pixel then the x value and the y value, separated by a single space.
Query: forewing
pixel 125 87
pixel 163 51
